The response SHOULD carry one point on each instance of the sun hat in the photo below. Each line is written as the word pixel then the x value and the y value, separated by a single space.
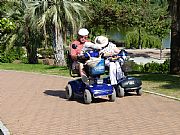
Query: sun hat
pixel 83 32
pixel 91 45
pixel 101 41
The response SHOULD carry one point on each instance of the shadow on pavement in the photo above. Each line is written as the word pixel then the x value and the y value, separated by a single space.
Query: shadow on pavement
pixel 79 99
pixel 56 93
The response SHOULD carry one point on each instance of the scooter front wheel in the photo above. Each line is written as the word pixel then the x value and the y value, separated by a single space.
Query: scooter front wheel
pixel 120 91
pixel 69 92
pixel 139 92
pixel 87 97
pixel 112 97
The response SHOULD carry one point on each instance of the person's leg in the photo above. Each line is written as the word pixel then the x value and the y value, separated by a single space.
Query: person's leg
pixel 119 73
pixel 82 73
pixel 112 73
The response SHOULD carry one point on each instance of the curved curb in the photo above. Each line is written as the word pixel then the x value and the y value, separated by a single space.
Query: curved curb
pixel 162 95
pixel 4 130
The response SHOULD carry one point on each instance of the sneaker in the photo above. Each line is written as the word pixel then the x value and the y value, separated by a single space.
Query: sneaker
pixel 91 81
pixel 84 78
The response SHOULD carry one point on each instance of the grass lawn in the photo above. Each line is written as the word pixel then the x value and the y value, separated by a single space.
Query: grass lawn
pixel 160 83
pixel 38 68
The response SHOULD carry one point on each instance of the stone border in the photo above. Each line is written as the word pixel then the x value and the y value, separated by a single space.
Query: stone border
pixel 162 95
pixel 4 130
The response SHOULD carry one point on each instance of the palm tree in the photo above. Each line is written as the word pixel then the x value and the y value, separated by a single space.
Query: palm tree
pixel 60 16
pixel 24 31
pixel 175 37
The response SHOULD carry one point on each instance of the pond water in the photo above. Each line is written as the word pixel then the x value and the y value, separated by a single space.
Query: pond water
pixel 119 37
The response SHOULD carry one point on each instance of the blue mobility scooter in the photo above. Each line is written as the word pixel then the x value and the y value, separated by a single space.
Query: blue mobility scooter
pixel 126 83
pixel 96 86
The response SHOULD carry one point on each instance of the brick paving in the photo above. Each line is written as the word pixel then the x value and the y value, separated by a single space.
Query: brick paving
pixel 34 104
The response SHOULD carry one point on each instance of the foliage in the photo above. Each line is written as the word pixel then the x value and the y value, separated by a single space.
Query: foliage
pixel 6 26
pixel 46 53
pixel 152 67
pixel 56 18
pixel 156 67
pixel 11 37
pixel 104 16
pixel 147 41
pixel 15 53
pixel 7 30
pixel 151 18
pixel 24 60
pixel 36 22
pixel 146 22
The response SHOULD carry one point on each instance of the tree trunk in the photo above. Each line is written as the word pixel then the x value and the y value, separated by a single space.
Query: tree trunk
pixel 30 48
pixel 175 37
pixel 139 39
pixel 59 48
pixel 45 37
pixel 32 59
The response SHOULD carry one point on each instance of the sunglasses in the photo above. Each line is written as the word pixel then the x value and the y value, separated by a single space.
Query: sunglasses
pixel 85 37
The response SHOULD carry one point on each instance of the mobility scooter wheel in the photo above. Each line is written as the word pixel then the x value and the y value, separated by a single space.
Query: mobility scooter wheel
pixel 120 91
pixel 139 92
pixel 87 96
pixel 69 92
pixel 112 97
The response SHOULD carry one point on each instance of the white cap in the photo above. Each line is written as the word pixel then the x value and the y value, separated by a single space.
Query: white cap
pixel 83 32
pixel 101 41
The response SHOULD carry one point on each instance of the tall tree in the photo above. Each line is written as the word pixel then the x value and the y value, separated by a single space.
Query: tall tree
pixel 24 30
pixel 175 37
pixel 61 16
pixel 10 29
pixel 147 17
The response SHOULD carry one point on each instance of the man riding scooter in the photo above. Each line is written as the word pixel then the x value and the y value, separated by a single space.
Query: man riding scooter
pixel 75 50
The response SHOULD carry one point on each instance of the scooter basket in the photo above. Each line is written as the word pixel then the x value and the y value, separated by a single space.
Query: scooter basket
pixel 98 68
pixel 127 66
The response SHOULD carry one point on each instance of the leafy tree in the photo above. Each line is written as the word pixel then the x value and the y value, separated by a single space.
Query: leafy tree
pixel 147 41
pixel 8 35
pixel 146 17
pixel 59 16
pixel 6 26
pixel 23 33
pixel 103 16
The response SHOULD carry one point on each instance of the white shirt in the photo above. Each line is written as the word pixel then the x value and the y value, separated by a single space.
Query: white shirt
pixel 109 48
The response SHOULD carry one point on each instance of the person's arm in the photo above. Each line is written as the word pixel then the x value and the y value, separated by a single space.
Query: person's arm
pixel 116 50
pixel 73 51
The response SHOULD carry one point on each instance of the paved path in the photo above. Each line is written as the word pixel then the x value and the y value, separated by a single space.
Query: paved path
pixel 33 104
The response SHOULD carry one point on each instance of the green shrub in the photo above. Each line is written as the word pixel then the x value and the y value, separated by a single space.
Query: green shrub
pixel 24 60
pixel 131 66
pixel 9 56
pixel 46 53
pixel 152 67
